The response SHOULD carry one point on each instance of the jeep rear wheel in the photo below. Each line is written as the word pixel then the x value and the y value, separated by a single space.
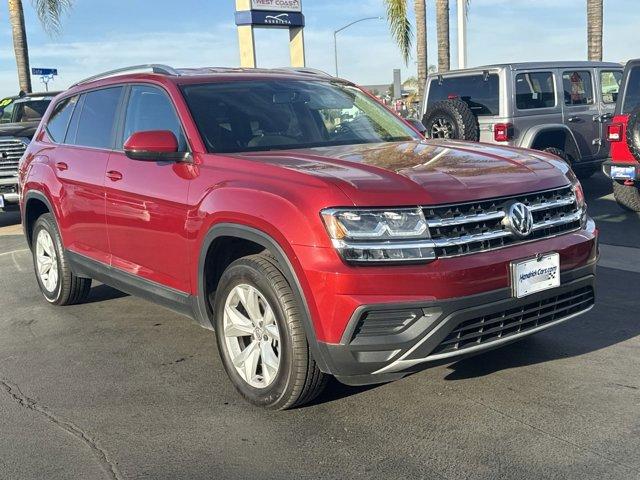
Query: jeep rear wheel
pixel 260 336
pixel 451 119
pixel 57 282
pixel 627 196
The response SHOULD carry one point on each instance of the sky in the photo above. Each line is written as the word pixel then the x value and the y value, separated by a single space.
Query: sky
pixel 101 35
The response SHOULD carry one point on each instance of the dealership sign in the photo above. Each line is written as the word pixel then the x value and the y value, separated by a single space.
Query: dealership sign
pixel 277 5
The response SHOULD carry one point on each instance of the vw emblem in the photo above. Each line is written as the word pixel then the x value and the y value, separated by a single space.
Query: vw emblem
pixel 520 219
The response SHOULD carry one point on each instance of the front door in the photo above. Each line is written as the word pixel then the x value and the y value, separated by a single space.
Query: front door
pixel 84 128
pixel 146 201
pixel 581 111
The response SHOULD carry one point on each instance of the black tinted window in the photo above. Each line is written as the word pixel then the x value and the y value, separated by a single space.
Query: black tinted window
pixel 578 89
pixel 632 91
pixel 535 90
pixel 59 120
pixel 480 92
pixel 95 125
pixel 150 109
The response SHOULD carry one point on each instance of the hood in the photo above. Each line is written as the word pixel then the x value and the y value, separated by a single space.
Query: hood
pixel 427 172
pixel 23 129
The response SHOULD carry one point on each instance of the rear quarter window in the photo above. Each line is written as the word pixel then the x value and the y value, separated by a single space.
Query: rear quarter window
pixel 481 92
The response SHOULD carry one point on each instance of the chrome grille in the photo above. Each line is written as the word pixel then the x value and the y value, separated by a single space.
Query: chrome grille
pixel 465 228
pixel 11 150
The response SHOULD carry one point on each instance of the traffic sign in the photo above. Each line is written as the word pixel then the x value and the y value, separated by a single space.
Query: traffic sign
pixel 44 71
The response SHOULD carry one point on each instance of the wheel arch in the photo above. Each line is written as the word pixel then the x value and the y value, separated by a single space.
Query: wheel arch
pixel 266 242
pixel 552 135
pixel 36 204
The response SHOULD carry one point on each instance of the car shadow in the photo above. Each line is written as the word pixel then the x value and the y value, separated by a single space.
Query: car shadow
pixel 104 293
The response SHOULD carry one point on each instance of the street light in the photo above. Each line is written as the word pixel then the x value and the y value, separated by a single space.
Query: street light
pixel 335 37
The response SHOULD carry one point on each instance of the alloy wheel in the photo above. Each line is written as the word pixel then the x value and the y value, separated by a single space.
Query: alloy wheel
pixel 251 336
pixel 441 128
pixel 47 261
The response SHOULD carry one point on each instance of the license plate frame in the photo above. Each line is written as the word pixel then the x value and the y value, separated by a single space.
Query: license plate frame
pixel 534 275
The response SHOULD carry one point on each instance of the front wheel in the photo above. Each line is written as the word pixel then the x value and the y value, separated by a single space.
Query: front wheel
pixel 260 336
pixel 57 282
pixel 627 196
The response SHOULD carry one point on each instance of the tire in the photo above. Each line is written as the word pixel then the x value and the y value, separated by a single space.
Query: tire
pixel 633 133
pixel 297 380
pixel 558 152
pixel 58 284
pixel 451 119
pixel 627 196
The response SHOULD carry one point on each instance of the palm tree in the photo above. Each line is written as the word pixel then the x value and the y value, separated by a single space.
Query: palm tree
pixel 594 29
pixel 442 27
pixel 50 14
pixel 397 16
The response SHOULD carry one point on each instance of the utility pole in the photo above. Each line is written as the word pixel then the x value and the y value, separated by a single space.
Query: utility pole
pixel 462 33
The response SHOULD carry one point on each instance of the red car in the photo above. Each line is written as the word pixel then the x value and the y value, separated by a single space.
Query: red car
pixel 316 232
pixel 624 136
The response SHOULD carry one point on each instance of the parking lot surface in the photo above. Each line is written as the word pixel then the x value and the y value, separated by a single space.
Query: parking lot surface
pixel 119 388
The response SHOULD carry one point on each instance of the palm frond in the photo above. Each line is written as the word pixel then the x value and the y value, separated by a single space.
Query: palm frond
pixel 400 26
pixel 50 13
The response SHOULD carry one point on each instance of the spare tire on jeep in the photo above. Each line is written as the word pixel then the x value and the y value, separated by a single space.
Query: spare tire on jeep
pixel 451 119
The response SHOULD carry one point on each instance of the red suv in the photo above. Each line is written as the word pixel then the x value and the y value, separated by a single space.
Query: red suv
pixel 624 136
pixel 316 232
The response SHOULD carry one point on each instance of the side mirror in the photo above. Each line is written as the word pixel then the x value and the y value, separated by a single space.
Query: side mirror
pixel 154 146
pixel 417 124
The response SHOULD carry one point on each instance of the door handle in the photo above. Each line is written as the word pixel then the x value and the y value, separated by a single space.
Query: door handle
pixel 62 166
pixel 114 176
pixel 573 119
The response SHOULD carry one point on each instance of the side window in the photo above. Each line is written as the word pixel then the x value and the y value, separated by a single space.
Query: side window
pixel 610 85
pixel 535 90
pixel 578 89
pixel 97 118
pixel 7 113
pixel 149 108
pixel 631 94
pixel 59 119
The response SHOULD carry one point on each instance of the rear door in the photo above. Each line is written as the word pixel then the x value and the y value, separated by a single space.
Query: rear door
pixel 581 110
pixel 84 128
pixel 146 201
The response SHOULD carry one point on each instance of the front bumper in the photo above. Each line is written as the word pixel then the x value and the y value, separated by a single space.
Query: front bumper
pixel 9 192
pixel 374 350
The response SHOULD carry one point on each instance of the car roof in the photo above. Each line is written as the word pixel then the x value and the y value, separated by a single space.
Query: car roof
pixel 538 65
pixel 164 73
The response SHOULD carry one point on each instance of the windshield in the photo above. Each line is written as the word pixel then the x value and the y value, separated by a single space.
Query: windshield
pixel 284 114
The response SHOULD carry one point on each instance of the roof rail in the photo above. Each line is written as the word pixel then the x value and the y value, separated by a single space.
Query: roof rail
pixel 307 70
pixel 154 67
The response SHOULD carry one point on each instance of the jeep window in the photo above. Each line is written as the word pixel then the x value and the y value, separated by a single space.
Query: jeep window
pixel 150 108
pixel 610 85
pixel 284 114
pixel 7 113
pixel 535 90
pixel 480 92
pixel 631 95
pixel 578 89
pixel 59 120
pixel 97 118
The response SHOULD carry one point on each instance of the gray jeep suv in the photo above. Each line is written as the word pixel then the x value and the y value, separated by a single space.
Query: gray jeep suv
pixel 559 107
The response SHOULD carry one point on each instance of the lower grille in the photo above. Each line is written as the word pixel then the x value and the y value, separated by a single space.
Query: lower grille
pixel 487 328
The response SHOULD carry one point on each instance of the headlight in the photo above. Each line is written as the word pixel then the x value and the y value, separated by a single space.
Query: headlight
pixel 578 192
pixel 379 235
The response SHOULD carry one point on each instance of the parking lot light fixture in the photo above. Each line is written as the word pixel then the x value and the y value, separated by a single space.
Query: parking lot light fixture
pixel 335 37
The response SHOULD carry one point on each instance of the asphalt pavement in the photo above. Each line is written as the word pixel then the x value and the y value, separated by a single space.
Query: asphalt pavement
pixel 119 388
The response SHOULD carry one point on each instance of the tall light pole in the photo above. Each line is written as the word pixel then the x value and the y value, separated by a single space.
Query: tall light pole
pixel 335 37
pixel 462 33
